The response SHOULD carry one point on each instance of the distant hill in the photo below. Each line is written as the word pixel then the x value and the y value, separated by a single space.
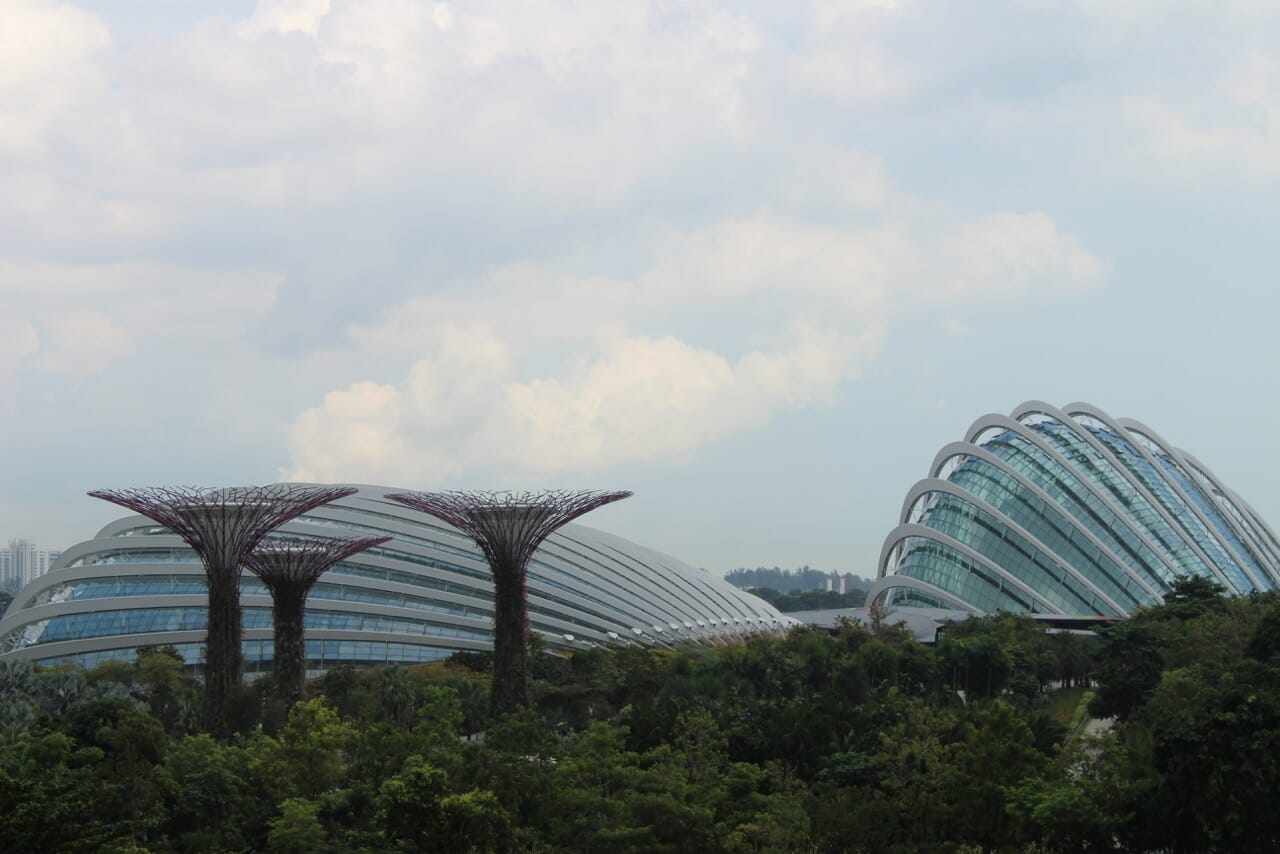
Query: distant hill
pixel 811 600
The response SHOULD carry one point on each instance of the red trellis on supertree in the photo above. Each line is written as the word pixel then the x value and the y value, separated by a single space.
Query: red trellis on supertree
pixel 508 527
pixel 221 526
pixel 290 567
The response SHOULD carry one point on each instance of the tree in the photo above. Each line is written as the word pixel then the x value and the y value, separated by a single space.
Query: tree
pixel 53 800
pixel 297 830
pixel 1215 731
pixel 310 754
pixel 1264 644
pixel 214 803
pixel 417 812
pixel 1128 669
pixel 1191 596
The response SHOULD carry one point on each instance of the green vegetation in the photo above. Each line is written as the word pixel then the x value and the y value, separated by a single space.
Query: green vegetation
pixel 810 600
pixel 858 740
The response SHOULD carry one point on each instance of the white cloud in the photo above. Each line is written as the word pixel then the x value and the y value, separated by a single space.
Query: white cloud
pixel 1228 130
pixel 1013 255
pixel 486 394
pixel 286 16
pixel 82 343
pixel 79 318
pixel 581 234
pixel 356 429
pixel 847 59
pixel 51 68
pixel 18 340
pixel 640 399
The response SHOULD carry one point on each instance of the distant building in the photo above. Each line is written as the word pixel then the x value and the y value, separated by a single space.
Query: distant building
pixel 21 563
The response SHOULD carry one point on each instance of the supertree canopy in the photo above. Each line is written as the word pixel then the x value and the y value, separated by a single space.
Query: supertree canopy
pixel 289 568
pixel 222 526
pixel 508 527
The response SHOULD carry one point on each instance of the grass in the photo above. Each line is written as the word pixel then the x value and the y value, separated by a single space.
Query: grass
pixel 1062 704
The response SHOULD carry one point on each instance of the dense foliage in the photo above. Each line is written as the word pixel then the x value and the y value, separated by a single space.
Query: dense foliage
pixel 859 740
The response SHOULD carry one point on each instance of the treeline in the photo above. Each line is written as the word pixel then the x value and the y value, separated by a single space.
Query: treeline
pixel 811 600
pixel 781 744
pixel 857 740
pixel 790 580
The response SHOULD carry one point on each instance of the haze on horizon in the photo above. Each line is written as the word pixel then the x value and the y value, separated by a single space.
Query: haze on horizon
pixel 755 261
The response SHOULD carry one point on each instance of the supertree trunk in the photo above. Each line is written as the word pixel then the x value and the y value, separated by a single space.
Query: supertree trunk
pixel 511 672
pixel 222 526
pixel 290 568
pixel 508 528
pixel 288 610
pixel 223 655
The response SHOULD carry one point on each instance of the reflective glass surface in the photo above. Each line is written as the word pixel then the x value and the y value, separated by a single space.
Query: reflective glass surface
pixel 258 655
pixel 1076 499
pixel 975 527
pixel 1171 501
pixel 1115 482
pixel 147 620
pixel 971 581
pixel 1047 523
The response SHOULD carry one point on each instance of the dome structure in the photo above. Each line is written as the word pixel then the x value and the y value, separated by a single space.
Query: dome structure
pixel 1068 511
pixel 422 596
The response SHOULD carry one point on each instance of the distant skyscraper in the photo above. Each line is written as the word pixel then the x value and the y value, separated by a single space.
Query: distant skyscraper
pixel 22 562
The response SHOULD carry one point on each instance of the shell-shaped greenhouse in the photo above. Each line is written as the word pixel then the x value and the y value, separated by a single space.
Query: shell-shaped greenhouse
pixel 1072 512
pixel 422 596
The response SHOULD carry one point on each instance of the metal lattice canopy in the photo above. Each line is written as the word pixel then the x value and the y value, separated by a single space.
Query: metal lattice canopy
pixel 299 562
pixel 223 524
pixel 508 526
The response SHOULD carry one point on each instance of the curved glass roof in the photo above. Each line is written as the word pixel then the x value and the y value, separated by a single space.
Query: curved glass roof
pixel 421 596
pixel 1096 516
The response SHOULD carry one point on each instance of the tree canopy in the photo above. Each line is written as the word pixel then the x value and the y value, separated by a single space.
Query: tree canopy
pixel 859 739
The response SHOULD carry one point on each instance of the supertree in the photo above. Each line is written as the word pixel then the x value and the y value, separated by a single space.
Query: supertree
pixel 222 526
pixel 508 527
pixel 290 568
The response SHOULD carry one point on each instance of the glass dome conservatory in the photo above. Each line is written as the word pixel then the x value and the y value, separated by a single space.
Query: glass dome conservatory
pixel 1068 511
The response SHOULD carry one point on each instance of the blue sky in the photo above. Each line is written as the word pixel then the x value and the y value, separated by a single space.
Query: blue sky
pixel 757 262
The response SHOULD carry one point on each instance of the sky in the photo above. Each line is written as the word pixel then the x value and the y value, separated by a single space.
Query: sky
pixel 756 261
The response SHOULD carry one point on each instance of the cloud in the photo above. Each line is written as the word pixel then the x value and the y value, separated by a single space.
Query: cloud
pixel 431 237
pixel 79 318
pixel 847 59
pixel 18 340
pixel 51 68
pixel 487 394
pixel 640 399
pixel 1009 255
pixel 82 343
pixel 1228 129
